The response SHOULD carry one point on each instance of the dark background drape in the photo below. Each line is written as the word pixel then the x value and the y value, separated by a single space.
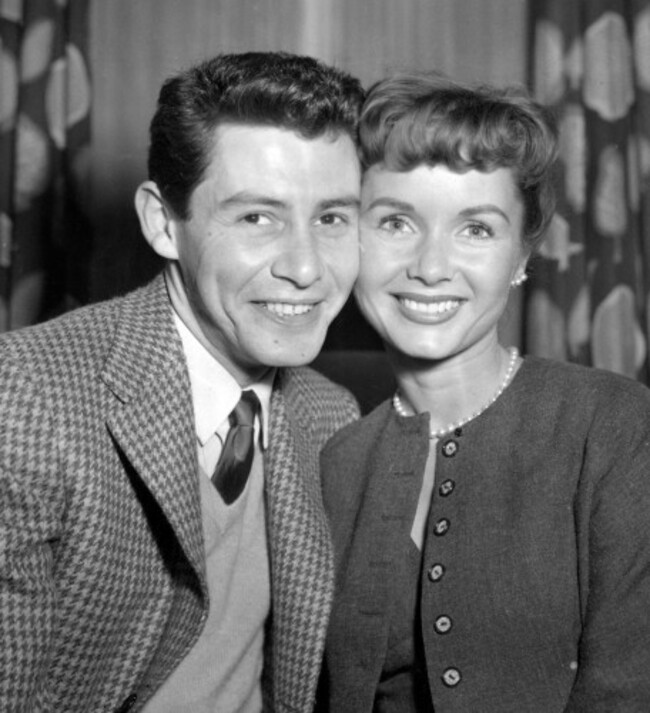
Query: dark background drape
pixel 588 297
pixel 45 233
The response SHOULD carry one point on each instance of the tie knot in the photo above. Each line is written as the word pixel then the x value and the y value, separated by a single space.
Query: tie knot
pixel 246 409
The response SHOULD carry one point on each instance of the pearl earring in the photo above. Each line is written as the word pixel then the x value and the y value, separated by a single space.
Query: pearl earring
pixel 519 280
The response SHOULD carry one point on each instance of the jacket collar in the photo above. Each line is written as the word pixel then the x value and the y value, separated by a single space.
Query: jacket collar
pixel 301 551
pixel 152 419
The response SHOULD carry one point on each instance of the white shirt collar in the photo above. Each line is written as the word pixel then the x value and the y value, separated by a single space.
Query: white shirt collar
pixel 214 390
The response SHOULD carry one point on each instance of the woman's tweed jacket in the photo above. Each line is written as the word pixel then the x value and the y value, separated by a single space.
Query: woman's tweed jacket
pixel 541 515
pixel 102 573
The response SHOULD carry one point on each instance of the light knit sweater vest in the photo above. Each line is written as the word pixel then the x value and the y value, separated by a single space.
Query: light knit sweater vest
pixel 222 671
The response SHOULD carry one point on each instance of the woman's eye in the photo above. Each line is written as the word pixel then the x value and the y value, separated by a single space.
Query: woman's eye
pixel 394 224
pixel 478 230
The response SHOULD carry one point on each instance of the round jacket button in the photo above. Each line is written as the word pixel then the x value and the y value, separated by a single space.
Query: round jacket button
pixel 446 488
pixel 442 624
pixel 441 527
pixel 451 677
pixel 450 448
pixel 436 572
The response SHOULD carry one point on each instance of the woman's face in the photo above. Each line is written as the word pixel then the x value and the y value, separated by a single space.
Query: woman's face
pixel 439 250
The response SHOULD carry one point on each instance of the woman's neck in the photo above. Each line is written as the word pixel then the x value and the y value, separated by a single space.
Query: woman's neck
pixel 452 390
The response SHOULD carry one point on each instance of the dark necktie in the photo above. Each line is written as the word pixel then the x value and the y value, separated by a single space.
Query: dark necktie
pixel 236 458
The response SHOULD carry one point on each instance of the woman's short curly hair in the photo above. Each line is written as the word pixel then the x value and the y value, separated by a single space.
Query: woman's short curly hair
pixel 426 118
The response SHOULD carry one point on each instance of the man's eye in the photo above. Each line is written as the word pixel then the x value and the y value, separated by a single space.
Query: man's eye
pixel 256 219
pixel 333 219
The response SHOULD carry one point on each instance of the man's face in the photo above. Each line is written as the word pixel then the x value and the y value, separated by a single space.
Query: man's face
pixel 270 251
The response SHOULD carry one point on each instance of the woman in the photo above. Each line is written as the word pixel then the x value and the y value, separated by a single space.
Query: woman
pixel 491 522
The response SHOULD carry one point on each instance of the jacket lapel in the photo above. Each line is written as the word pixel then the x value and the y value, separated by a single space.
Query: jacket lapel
pixel 152 420
pixel 301 556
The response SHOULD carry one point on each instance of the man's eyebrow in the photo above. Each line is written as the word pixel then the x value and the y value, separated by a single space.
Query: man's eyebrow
pixel 351 201
pixel 485 208
pixel 245 198
pixel 248 198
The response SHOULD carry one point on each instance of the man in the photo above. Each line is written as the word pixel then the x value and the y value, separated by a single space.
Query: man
pixel 133 574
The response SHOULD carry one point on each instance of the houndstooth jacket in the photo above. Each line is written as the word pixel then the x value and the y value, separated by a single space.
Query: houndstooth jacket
pixel 102 571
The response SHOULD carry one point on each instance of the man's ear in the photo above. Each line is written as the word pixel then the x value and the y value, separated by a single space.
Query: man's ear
pixel 156 223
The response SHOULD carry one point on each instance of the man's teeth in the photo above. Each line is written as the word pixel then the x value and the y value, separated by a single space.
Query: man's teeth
pixel 285 309
pixel 430 307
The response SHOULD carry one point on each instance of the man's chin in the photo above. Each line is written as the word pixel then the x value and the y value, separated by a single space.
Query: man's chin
pixel 296 359
pixel 297 353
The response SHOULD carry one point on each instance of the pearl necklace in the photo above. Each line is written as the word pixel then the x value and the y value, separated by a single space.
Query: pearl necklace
pixel 399 406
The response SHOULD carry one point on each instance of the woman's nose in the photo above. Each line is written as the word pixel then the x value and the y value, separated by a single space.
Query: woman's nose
pixel 431 260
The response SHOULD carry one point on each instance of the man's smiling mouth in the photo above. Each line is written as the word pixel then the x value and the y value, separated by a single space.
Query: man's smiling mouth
pixel 287 309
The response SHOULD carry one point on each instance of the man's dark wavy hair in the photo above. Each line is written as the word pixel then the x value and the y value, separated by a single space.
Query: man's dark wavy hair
pixel 288 91
pixel 425 118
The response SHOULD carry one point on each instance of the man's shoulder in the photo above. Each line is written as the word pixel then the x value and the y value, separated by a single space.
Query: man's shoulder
pixel 309 378
pixel 65 343
pixel 311 383
pixel 312 395
pixel 52 339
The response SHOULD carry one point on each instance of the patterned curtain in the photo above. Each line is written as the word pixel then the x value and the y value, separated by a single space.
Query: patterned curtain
pixel 44 136
pixel 589 296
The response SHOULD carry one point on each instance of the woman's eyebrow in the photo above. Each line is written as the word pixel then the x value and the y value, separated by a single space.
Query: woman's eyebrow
pixel 392 203
pixel 485 208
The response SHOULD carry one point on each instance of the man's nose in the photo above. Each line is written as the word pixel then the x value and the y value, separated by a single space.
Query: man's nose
pixel 299 259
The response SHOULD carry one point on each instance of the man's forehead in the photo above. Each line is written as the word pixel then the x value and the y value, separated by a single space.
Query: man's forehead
pixel 254 156
pixel 267 167
pixel 231 133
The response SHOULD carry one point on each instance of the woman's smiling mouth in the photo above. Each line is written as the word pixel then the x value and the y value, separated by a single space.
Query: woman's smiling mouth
pixel 429 307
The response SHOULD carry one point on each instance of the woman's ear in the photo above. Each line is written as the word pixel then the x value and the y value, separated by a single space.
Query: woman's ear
pixel 520 275
pixel 156 223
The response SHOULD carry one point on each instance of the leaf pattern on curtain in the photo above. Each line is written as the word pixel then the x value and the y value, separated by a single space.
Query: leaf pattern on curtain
pixel 588 299
pixel 44 142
